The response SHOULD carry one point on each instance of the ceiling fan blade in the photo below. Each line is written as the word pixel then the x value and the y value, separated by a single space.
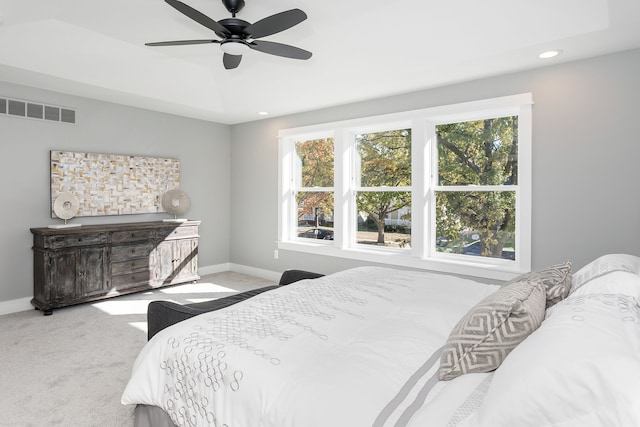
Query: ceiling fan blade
pixel 275 23
pixel 199 17
pixel 182 42
pixel 280 49
pixel 231 61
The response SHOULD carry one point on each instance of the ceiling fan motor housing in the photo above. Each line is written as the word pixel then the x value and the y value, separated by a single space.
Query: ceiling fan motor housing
pixel 235 26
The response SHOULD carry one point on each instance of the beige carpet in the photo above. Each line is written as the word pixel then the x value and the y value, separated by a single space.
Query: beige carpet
pixel 70 368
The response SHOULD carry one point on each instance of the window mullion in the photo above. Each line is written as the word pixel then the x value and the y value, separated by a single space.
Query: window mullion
pixel 342 177
pixel 419 198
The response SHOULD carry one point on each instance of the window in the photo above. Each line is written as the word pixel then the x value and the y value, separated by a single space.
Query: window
pixel 446 188
pixel 313 188
pixel 475 198
pixel 383 188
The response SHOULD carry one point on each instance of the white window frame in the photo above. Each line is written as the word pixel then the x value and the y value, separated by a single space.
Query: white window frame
pixel 424 162
pixel 296 188
pixel 355 178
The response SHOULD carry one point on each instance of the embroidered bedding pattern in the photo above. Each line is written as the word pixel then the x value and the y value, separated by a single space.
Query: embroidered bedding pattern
pixel 349 340
pixel 110 184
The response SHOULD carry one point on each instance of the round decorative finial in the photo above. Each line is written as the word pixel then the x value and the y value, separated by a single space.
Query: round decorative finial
pixel 176 202
pixel 66 205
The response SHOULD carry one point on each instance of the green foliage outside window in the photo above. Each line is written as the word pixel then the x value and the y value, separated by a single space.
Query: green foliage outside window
pixel 316 160
pixel 477 153
pixel 385 161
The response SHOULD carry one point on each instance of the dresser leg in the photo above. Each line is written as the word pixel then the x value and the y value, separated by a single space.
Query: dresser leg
pixel 47 312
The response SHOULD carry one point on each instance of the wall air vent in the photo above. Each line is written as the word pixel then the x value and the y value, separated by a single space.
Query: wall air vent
pixel 67 116
pixel 17 108
pixel 34 110
pixel 52 113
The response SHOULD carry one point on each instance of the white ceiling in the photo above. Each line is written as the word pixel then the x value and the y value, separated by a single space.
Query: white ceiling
pixel 362 49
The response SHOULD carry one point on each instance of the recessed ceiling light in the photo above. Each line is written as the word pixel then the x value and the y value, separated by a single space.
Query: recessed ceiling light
pixel 263 113
pixel 550 54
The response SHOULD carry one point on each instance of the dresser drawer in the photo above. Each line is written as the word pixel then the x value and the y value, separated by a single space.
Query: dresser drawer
pixel 57 242
pixel 127 281
pixel 127 252
pixel 136 265
pixel 132 236
pixel 180 232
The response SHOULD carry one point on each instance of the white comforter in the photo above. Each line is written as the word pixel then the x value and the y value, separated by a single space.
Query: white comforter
pixel 346 350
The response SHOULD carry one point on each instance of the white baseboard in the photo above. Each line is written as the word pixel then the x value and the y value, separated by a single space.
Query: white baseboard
pixel 257 272
pixel 213 269
pixel 239 268
pixel 16 305
pixel 24 304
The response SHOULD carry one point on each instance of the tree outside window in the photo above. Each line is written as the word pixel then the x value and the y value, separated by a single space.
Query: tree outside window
pixel 314 188
pixel 475 193
pixel 383 193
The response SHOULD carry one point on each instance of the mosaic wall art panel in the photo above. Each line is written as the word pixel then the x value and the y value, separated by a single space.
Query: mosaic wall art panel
pixel 108 184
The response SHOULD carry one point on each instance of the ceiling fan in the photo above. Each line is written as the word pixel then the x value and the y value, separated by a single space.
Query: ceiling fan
pixel 239 36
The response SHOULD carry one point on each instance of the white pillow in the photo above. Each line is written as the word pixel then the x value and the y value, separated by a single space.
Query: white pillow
pixel 579 369
pixel 614 282
pixel 603 265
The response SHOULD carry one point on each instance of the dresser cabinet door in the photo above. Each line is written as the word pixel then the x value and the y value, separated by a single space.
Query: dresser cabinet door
pixel 76 274
pixel 63 272
pixel 176 261
pixel 164 262
pixel 92 269
pixel 186 259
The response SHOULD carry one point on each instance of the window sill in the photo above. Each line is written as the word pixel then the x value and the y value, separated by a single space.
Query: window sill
pixel 474 269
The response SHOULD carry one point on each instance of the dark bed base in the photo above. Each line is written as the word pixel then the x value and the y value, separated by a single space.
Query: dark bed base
pixel 162 314
pixel 151 416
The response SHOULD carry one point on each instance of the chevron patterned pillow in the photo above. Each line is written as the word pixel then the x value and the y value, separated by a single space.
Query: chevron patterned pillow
pixel 557 280
pixel 490 330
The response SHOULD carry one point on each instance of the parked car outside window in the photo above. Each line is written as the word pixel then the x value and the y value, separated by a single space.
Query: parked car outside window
pixel 474 249
pixel 317 233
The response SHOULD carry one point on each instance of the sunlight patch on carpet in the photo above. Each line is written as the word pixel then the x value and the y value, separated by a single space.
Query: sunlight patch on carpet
pixel 195 288
pixel 140 325
pixel 192 300
pixel 116 307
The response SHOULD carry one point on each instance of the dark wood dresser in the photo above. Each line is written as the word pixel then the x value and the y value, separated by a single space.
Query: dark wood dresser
pixel 92 262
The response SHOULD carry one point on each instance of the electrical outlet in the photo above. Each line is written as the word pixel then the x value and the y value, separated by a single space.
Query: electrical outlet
pixel 275 254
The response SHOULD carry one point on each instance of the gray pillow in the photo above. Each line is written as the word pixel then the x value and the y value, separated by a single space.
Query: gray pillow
pixel 490 330
pixel 556 279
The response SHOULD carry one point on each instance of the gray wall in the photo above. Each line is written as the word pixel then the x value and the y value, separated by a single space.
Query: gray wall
pixel 585 149
pixel 202 147
pixel 586 152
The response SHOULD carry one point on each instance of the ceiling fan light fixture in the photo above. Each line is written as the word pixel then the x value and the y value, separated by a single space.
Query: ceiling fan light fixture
pixel 234 47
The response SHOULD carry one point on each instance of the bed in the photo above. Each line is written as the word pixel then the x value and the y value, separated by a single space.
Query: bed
pixel 379 347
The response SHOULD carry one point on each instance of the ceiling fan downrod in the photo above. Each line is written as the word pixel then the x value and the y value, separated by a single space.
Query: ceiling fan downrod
pixel 233 6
